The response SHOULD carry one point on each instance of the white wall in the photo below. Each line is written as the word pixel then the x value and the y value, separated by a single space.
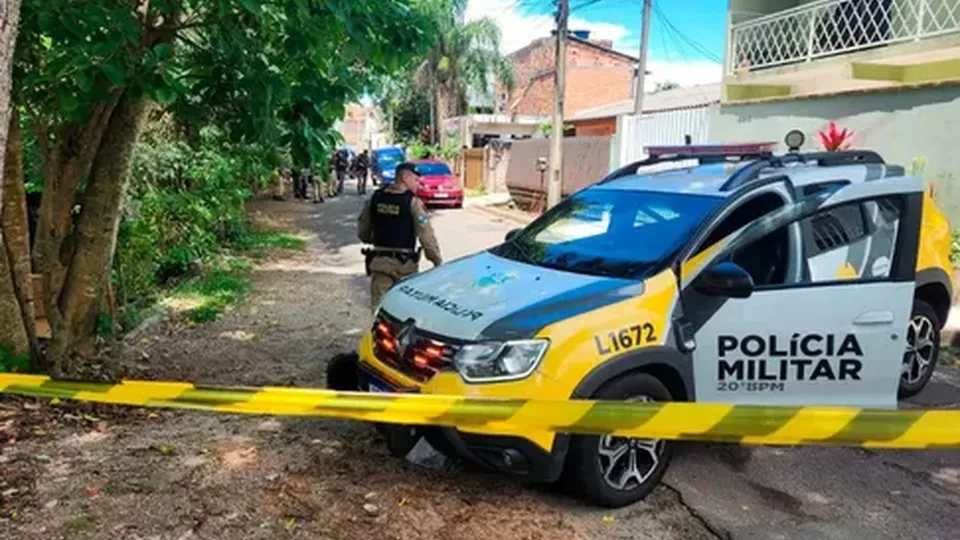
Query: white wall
pixel 900 125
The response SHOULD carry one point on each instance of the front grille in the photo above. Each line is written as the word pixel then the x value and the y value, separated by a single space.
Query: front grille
pixel 425 354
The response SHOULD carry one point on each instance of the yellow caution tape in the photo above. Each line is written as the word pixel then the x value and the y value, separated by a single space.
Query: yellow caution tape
pixel 679 421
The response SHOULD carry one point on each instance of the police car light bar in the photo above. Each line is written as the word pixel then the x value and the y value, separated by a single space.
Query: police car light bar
pixel 713 150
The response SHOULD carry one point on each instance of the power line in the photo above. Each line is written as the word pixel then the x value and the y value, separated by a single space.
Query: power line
pixel 695 45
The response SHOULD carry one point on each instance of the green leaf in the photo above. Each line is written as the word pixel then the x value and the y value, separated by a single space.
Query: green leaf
pixel 165 95
pixel 253 6
pixel 113 73
pixel 163 50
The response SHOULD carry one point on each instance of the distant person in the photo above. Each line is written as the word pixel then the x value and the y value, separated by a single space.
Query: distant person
pixel 340 164
pixel 361 167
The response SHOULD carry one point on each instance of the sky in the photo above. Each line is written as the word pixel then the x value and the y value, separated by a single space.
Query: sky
pixel 686 36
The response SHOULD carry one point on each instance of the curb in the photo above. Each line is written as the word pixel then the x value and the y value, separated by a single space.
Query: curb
pixel 508 215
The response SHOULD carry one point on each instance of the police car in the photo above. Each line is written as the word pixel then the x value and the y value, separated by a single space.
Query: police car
pixel 703 273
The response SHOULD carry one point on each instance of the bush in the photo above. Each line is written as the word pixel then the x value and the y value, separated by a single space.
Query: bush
pixel 186 205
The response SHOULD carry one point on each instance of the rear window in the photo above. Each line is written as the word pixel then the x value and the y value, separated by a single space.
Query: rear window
pixel 433 169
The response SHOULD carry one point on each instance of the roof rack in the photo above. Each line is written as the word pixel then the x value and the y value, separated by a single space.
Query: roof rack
pixel 823 159
pixel 703 153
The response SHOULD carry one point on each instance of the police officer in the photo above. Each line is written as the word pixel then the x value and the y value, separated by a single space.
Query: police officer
pixel 393 219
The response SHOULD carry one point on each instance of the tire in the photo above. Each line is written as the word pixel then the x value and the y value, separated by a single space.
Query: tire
pixel 342 373
pixel 588 465
pixel 919 362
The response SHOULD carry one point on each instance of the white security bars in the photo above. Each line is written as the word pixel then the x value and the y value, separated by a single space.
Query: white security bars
pixel 831 27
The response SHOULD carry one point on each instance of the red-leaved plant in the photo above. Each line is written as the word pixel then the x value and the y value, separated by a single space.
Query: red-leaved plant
pixel 835 138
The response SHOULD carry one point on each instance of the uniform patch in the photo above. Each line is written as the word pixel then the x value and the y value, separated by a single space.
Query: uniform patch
pixel 423 220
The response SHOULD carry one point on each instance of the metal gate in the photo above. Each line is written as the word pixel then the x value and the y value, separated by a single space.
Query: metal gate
pixel 635 132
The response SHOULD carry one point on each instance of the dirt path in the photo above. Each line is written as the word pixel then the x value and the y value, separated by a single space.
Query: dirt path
pixel 112 473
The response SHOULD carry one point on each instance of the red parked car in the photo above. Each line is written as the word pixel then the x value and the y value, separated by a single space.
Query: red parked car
pixel 438 185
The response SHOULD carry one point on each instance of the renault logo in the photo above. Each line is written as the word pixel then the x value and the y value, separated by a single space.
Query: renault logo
pixel 405 337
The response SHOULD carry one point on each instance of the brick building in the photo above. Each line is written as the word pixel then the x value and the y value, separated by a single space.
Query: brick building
pixel 597 75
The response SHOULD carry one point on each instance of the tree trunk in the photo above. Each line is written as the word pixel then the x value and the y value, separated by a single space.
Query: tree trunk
pixel 95 235
pixel 12 332
pixel 66 164
pixel 16 236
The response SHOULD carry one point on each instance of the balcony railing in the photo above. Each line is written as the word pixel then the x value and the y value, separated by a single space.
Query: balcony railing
pixel 831 27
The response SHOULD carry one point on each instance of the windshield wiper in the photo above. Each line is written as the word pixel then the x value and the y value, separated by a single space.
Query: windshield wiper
pixel 523 253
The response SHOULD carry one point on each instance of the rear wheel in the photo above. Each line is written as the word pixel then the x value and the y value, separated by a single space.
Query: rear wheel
pixel 923 349
pixel 617 471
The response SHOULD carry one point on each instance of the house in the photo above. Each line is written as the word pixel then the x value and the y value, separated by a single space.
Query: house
pixel 362 127
pixel 603 120
pixel 596 75
pixel 887 69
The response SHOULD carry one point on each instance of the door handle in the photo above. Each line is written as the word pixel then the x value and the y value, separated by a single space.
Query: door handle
pixel 874 318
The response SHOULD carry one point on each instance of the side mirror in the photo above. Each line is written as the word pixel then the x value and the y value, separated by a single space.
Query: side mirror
pixel 727 279
pixel 512 234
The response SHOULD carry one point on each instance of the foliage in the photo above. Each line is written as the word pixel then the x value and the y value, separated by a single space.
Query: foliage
pixel 186 207
pixel 834 138
pixel 546 128
pixel 13 363
pixel 466 56
pixel 241 86
pixel 411 114
pixel 448 151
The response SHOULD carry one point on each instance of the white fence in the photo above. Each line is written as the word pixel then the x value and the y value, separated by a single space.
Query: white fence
pixel 634 133
pixel 827 27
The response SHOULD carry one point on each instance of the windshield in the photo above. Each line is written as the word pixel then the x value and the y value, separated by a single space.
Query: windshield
pixel 613 233
pixel 390 158
pixel 433 169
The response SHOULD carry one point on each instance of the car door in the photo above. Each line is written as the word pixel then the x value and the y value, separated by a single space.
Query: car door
pixel 836 335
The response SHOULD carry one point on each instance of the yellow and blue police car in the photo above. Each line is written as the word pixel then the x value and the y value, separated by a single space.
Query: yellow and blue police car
pixel 703 273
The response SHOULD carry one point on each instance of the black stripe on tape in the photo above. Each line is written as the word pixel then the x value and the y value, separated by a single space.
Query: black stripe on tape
pixel 213 397
pixel 606 417
pixel 42 391
pixel 358 403
pixel 880 426
pixel 477 412
pixel 746 422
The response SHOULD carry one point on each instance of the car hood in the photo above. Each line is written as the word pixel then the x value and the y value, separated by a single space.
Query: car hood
pixel 486 297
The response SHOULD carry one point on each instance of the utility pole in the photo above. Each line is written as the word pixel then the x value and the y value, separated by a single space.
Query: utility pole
pixel 554 182
pixel 642 67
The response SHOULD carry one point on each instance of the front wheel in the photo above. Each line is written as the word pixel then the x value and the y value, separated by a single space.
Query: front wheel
pixel 923 349
pixel 617 471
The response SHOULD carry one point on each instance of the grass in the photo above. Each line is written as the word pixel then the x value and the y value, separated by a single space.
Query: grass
pixel 227 279
pixel 13 363
pixel 950 356
pixel 257 242
pixel 204 299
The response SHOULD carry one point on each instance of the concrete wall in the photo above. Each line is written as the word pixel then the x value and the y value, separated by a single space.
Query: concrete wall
pixel 585 161
pixel 902 126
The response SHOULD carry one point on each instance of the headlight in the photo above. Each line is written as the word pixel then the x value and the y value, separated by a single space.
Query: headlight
pixel 494 362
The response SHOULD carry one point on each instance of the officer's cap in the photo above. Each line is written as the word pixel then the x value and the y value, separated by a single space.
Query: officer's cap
pixel 406 166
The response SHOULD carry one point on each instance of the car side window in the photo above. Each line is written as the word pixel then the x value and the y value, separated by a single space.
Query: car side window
pixel 746 213
pixel 854 241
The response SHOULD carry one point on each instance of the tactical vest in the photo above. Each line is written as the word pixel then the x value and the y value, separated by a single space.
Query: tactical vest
pixel 393 225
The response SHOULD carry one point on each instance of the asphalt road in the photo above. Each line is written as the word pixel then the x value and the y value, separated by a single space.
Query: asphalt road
pixel 796 493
